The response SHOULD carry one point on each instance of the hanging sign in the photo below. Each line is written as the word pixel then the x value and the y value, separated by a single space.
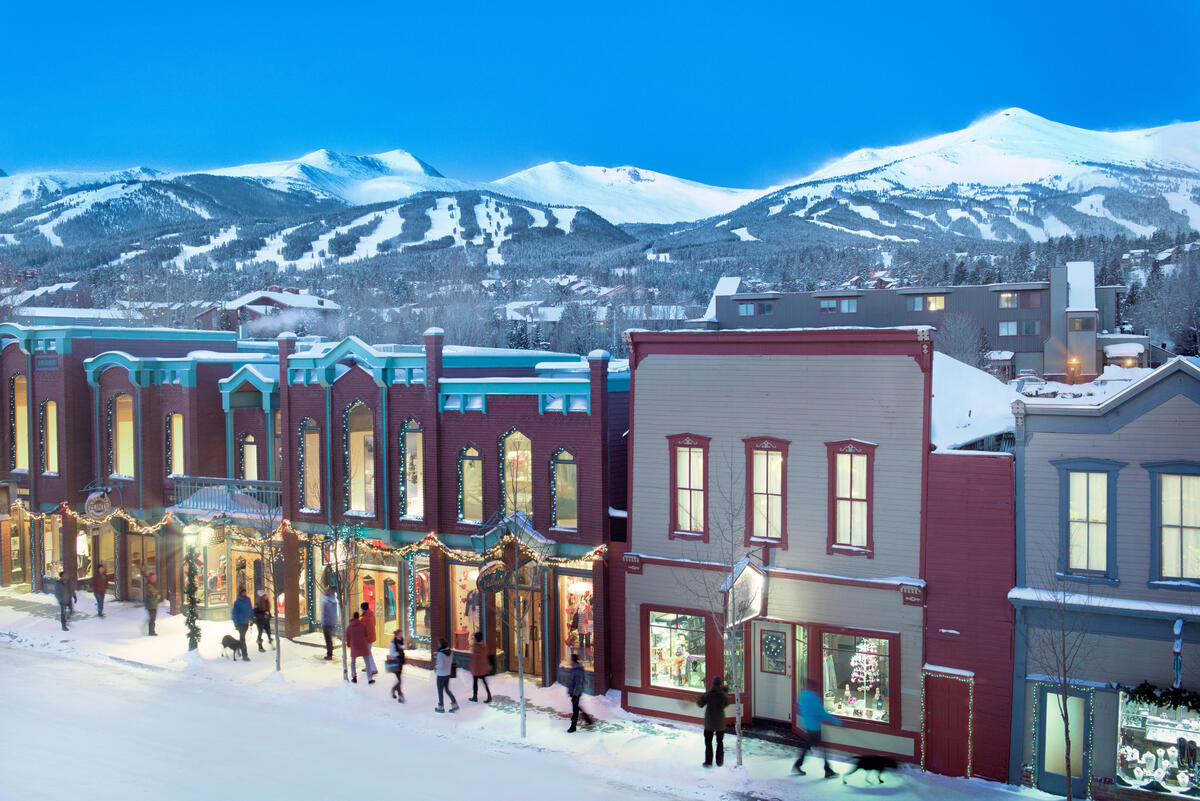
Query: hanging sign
pixel 745 593
pixel 493 577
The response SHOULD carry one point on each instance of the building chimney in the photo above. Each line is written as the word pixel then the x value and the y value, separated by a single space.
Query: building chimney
pixel 292 290
pixel 598 386
pixel 274 288
pixel 434 340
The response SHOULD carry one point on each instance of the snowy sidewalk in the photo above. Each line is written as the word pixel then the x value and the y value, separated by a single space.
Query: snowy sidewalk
pixel 622 751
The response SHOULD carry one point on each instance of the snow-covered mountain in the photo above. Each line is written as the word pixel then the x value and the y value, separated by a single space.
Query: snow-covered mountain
pixel 16 190
pixel 1013 176
pixel 624 194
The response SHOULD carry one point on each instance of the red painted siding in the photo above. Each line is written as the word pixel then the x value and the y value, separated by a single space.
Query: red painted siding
pixel 969 570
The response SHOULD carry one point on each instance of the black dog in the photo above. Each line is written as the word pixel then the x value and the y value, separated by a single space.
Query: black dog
pixel 872 762
pixel 230 643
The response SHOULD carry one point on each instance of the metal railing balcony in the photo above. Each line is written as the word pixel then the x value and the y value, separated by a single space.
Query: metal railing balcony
pixel 210 495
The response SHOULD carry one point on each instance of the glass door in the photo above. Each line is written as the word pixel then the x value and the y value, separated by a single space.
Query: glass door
pixel 18 544
pixel 1052 741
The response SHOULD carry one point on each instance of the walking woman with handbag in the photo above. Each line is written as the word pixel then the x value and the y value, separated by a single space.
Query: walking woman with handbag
pixel 395 663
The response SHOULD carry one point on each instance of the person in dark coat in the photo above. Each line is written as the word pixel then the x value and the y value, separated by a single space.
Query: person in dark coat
pixel 480 668
pixel 395 663
pixel 443 669
pixel 243 614
pixel 64 593
pixel 262 617
pixel 360 648
pixel 575 682
pixel 811 711
pixel 714 702
pixel 151 597
pixel 329 620
pixel 100 582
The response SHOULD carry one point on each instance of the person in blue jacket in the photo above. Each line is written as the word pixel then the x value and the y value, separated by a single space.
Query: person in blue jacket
pixel 243 615
pixel 811 709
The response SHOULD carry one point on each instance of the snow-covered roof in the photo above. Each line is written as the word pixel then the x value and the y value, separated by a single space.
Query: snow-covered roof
pixel 968 404
pixel 999 355
pixel 726 285
pixel 1081 286
pixel 1124 350
pixel 290 299
pixel 65 312
pixel 1112 387
pixel 18 298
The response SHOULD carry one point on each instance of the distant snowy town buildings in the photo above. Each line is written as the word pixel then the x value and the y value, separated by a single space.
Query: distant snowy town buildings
pixel 780 487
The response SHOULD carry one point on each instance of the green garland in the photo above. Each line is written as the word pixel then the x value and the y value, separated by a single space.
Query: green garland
pixel 189 611
pixel 1170 697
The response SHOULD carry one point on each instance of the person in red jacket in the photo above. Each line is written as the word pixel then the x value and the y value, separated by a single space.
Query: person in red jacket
pixel 368 619
pixel 99 587
pixel 480 668
pixel 360 646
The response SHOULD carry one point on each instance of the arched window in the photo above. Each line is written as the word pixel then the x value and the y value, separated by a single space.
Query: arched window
pixel 310 465
pixel 412 482
pixel 49 431
pixel 120 427
pixel 248 458
pixel 175 464
pixel 564 491
pixel 18 423
pixel 470 486
pixel 358 423
pixel 516 473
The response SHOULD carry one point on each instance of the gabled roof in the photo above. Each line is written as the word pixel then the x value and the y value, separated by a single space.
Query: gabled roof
pixel 1186 368
pixel 289 299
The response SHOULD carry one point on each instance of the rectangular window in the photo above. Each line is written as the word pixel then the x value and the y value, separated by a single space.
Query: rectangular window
pixel 470 467
pixel 745 309
pixel 1031 300
pixel 414 478
pixel 1008 300
pixel 848 305
pixel 122 436
pixel 772 651
pixel 766 494
pixel 566 495
pixel 1008 328
pixel 1179 516
pixel 856 675
pixel 829 306
pixel 50 437
pixel 177 466
pixel 1087 522
pixel 311 444
pixel 1082 324
pixel 1031 328
pixel 676 651
pixel 766 308
pixel 935 303
pixel 915 303
pixel 852 499
pixel 577 620
pixel 689 489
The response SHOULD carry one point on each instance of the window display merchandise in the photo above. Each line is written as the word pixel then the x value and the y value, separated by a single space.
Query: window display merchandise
pixel 577 621
pixel 1157 748
pixel 677 651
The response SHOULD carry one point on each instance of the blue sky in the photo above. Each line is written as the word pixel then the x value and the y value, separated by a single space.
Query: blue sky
pixel 736 94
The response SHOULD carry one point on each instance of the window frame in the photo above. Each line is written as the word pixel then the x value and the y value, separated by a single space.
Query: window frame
pixel 1033 323
pixel 462 496
pixel 48 432
pixel 714 651
pixel 765 308
pixel 113 436
pixel 848 306
pixel 411 426
pixel 169 442
pixel 1014 299
pixel 827 305
pixel 1156 470
pixel 918 306
pixel 768 444
pixel 674 441
pixel 1012 330
pixel 370 487
pixel 555 460
pixel 832 450
pixel 936 298
pixel 745 309
pixel 18 433
pixel 309 425
pixel 816 637
pixel 1087 465
pixel 502 475
pixel 247 439
pixel 1076 325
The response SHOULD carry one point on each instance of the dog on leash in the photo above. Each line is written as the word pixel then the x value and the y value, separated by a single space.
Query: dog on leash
pixel 869 763
pixel 231 644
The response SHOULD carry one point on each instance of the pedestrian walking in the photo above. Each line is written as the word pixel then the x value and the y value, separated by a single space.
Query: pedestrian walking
pixel 444 668
pixel 480 668
pixel 575 684
pixel 811 709
pixel 243 614
pixel 99 588
pixel 262 617
pixel 329 620
pixel 360 648
pixel 151 597
pixel 714 702
pixel 63 593
pixel 395 663
pixel 368 619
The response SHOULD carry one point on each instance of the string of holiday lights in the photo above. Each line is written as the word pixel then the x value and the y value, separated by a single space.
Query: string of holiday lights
pixel 970 682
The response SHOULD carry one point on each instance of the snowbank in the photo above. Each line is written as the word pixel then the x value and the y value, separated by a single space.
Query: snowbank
pixel 968 404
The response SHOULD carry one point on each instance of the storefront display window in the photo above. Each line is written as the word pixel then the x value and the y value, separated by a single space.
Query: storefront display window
pixel 417 576
pixel 466 613
pixel 801 671
pixel 214 576
pixel 1157 748
pixel 52 547
pixel 856 680
pixel 676 650
pixel 83 556
pixel 577 620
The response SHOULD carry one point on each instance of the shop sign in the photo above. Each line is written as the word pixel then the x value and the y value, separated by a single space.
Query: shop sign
pixel 97 506
pixel 493 577
pixel 912 595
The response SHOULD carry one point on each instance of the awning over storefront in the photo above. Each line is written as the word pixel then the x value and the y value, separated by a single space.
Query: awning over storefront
pixel 518 526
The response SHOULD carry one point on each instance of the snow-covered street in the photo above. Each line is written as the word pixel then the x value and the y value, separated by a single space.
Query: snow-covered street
pixel 104 710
